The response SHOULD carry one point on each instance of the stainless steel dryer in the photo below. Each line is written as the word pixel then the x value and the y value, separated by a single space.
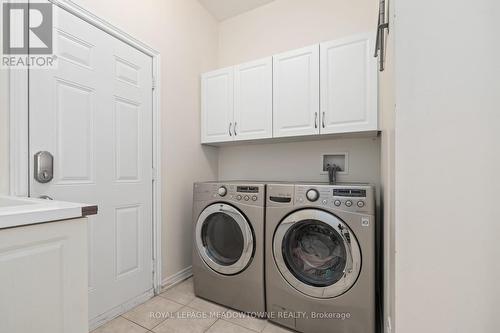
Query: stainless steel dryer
pixel 320 257
pixel 228 251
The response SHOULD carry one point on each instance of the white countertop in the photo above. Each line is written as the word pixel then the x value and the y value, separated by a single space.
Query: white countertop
pixel 15 211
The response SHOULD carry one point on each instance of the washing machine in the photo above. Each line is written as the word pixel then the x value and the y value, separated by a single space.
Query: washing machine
pixel 228 251
pixel 320 257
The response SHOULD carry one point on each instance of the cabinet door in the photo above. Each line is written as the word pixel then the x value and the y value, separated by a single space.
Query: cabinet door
pixel 348 85
pixel 253 103
pixel 44 278
pixel 296 92
pixel 217 106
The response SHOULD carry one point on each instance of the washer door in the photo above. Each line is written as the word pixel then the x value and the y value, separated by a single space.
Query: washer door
pixel 317 253
pixel 224 239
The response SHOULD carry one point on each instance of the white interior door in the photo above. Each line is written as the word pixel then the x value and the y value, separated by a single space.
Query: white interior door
pixel 349 85
pixel 296 92
pixel 93 113
pixel 253 100
pixel 217 106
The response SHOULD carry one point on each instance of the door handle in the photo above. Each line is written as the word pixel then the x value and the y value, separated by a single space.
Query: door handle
pixel 323 120
pixel 234 129
pixel 46 197
pixel 230 124
pixel 315 120
pixel 43 167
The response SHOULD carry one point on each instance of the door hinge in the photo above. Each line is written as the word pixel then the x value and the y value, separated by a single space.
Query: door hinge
pixel 153 85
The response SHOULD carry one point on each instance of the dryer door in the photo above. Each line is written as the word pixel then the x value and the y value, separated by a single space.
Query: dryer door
pixel 224 239
pixel 317 253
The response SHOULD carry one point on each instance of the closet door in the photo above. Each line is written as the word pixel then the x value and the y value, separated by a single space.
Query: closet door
pixel 217 106
pixel 296 92
pixel 348 85
pixel 253 103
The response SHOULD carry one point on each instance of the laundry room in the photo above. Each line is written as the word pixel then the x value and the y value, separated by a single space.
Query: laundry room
pixel 243 166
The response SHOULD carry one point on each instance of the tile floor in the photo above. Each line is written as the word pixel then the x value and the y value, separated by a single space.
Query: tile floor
pixel 178 310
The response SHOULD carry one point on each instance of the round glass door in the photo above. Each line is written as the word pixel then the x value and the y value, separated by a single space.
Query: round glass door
pixel 224 239
pixel 317 253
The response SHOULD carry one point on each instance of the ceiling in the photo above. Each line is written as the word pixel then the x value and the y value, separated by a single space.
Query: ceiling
pixel 224 9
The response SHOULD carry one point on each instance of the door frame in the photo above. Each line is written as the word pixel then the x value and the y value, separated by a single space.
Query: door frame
pixel 19 156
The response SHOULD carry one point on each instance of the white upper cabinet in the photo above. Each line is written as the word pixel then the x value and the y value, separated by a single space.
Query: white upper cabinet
pixel 348 85
pixel 217 106
pixel 326 88
pixel 253 100
pixel 296 92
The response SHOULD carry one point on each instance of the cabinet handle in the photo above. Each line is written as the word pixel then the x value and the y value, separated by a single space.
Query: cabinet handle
pixel 323 120
pixel 234 130
pixel 315 120
pixel 230 134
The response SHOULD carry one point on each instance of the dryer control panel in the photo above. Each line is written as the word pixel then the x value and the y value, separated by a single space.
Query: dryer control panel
pixel 251 194
pixel 354 198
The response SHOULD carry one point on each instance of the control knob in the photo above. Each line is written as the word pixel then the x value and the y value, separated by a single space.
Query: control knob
pixel 222 191
pixel 312 195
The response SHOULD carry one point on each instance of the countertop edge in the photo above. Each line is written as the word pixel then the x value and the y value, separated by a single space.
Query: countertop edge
pixel 89 210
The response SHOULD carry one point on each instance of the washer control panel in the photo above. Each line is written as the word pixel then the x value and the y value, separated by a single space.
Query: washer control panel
pixel 355 198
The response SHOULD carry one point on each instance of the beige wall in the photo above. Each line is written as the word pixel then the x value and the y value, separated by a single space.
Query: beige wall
pixel 300 161
pixel 447 166
pixel 288 24
pixel 186 36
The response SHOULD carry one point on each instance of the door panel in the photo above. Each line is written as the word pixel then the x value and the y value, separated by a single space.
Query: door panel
pixel 253 100
pixel 217 106
pixel 74 119
pixel 317 253
pixel 224 239
pixel 93 112
pixel 348 85
pixel 296 92
pixel 127 140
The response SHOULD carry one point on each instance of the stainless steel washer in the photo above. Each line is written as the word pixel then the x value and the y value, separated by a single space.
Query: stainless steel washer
pixel 320 257
pixel 228 251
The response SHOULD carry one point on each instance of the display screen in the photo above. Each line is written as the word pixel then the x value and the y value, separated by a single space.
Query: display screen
pixel 247 189
pixel 345 192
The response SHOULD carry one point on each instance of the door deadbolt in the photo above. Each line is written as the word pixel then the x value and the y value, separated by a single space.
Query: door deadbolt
pixel 44 167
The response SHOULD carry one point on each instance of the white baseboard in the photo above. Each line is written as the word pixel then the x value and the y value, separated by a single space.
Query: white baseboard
pixel 119 310
pixel 177 278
